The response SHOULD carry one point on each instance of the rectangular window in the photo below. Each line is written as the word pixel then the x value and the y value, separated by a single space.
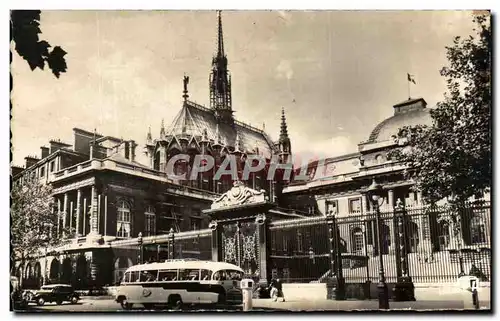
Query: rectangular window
pixel 150 224
pixel 167 275
pixel 285 243
pixel 205 275
pixel 195 223
pixel 332 207
pixel 189 275
pixel 52 166
pixel 123 223
pixel 300 240
pixel 42 171
pixel 355 205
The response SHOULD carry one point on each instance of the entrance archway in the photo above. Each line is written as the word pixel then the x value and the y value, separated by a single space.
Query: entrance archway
pixel 81 272
pixel 121 265
pixel 66 271
pixel 54 271
pixel 37 275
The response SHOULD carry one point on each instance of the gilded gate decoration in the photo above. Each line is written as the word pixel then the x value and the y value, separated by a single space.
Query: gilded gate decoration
pixel 240 245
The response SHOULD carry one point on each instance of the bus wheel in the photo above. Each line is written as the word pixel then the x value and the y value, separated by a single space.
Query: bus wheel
pixel 175 302
pixel 125 305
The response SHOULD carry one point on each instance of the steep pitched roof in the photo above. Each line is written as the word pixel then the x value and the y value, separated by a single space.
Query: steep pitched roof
pixel 194 118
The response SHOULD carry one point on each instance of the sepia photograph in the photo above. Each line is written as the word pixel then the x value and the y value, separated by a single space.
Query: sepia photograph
pixel 169 161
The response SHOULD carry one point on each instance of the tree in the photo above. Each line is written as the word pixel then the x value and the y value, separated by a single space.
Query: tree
pixel 25 27
pixel 33 219
pixel 452 158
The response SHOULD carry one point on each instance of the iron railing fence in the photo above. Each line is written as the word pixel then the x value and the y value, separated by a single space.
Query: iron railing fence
pixel 440 243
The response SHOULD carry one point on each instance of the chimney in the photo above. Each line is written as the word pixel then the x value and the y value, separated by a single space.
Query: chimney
pixel 56 145
pixel 45 151
pixel 30 161
pixel 131 153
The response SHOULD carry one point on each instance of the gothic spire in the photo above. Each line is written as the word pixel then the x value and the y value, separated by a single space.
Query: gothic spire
pixel 220 81
pixel 162 130
pixel 284 129
pixel 220 38
pixel 149 137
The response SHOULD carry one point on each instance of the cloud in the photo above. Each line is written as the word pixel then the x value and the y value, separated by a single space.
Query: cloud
pixel 304 151
pixel 284 70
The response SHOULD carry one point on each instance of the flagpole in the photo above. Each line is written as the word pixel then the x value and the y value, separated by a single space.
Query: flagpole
pixel 409 96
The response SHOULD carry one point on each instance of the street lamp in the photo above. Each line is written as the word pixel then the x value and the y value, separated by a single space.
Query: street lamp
pixel 375 193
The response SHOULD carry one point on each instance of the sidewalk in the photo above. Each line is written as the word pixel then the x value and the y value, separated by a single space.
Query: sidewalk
pixel 351 305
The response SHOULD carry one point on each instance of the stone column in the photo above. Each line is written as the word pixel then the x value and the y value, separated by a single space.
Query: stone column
pixel 94 230
pixel 106 215
pixel 216 241
pixel 84 215
pixel 263 255
pixel 58 217
pixel 70 215
pixel 65 212
pixel 419 198
pixel 78 209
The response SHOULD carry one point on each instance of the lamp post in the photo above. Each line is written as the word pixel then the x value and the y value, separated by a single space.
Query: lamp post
pixel 336 286
pixel 139 242
pixel 375 193
pixel 404 290
pixel 311 255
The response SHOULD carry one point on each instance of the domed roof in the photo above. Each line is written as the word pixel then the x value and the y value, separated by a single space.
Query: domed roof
pixel 408 113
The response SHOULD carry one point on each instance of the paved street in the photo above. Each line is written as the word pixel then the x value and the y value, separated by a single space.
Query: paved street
pixel 107 305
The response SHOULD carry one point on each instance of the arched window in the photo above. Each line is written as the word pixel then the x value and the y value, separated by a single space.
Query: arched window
pixel 477 230
pixel 379 159
pixel 149 221
pixel 123 220
pixel 444 235
pixel 357 240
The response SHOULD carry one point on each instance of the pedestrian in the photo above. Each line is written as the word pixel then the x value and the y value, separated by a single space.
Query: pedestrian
pixel 277 290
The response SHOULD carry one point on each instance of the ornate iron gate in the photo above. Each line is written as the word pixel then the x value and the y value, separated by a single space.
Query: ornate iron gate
pixel 240 242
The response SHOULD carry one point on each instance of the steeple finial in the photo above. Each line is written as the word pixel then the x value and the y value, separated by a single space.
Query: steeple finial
pixel 220 39
pixel 162 130
pixel 149 137
pixel 284 129
pixel 186 82
pixel 237 144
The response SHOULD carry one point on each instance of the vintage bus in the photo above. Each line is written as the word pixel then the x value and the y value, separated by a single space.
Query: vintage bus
pixel 177 282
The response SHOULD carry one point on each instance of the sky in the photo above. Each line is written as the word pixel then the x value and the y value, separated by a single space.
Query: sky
pixel 336 73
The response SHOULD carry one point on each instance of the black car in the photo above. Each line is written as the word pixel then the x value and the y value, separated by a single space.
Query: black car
pixel 54 293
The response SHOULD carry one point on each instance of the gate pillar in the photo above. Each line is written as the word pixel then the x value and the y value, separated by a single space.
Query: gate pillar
pixel 263 253
pixel 216 241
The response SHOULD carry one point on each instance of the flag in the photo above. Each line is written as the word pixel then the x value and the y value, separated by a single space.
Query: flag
pixel 411 79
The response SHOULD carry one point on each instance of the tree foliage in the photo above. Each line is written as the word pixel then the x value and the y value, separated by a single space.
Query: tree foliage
pixel 25 28
pixel 32 219
pixel 452 158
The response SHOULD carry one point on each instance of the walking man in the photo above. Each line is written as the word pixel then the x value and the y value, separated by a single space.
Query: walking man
pixel 277 290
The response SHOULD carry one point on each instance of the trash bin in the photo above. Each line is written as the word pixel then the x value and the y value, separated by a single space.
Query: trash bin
pixel 247 289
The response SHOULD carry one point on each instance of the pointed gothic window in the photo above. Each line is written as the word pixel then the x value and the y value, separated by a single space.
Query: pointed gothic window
pixel 123 220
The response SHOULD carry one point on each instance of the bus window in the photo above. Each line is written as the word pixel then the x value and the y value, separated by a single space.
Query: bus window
pixel 227 275
pixel 189 275
pixel 126 278
pixel 149 276
pixel 167 275
pixel 135 276
pixel 205 275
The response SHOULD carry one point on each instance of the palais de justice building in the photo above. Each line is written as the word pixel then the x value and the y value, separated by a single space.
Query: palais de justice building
pixel 107 198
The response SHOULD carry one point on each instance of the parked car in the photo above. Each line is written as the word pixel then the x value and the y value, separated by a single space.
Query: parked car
pixel 54 293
